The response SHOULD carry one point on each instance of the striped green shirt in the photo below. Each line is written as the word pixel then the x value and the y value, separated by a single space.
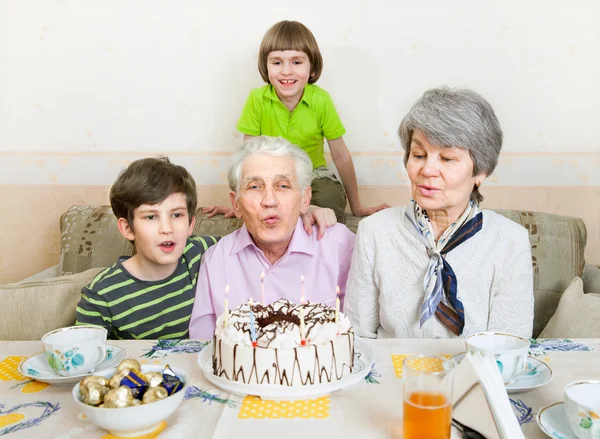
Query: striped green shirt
pixel 130 308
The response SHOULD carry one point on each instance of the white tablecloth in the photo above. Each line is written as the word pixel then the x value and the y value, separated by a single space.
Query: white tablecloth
pixel 369 409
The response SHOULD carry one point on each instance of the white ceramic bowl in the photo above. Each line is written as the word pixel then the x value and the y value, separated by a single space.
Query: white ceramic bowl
pixel 133 421
pixel 582 405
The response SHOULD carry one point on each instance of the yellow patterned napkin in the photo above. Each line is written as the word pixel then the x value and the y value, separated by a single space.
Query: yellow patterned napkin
pixel 424 364
pixel 255 408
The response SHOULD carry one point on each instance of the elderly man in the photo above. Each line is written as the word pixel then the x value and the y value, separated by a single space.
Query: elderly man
pixel 270 187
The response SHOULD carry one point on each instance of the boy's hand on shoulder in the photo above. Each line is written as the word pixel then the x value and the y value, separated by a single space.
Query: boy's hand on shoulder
pixel 321 216
pixel 227 212
pixel 366 211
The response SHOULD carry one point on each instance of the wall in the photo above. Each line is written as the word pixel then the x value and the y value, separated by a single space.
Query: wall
pixel 88 86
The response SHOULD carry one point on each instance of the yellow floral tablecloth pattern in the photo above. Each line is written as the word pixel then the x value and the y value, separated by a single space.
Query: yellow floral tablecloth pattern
pixel 9 369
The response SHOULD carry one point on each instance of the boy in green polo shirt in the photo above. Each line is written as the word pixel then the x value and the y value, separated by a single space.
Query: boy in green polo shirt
pixel 293 107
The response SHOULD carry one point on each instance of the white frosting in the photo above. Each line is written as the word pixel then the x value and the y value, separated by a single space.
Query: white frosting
pixel 279 357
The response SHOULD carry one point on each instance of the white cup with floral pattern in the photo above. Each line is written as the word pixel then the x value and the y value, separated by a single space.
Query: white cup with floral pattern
pixel 508 350
pixel 75 350
pixel 582 406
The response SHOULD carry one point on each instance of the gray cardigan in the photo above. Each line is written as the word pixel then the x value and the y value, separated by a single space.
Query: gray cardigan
pixel 385 285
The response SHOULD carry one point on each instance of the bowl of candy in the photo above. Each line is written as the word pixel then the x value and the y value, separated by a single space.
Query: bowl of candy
pixel 131 400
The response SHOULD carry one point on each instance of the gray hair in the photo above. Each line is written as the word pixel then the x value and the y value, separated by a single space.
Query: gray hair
pixel 273 146
pixel 456 117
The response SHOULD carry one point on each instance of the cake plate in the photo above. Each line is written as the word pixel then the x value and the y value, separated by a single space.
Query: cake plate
pixel 364 359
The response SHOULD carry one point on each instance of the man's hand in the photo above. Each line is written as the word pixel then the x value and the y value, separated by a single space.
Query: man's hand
pixel 322 217
pixel 228 212
pixel 366 211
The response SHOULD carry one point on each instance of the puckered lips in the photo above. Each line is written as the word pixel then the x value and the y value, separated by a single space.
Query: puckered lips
pixel 167 246
pixel 271 219
pixel 427 191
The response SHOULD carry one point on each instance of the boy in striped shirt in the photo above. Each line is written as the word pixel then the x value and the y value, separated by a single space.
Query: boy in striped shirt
pixel 149 295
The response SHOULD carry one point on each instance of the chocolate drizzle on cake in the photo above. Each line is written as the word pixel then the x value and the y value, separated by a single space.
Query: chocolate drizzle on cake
pixel 280 317
pixel 277 316
pixel 317 362
pixel 318 374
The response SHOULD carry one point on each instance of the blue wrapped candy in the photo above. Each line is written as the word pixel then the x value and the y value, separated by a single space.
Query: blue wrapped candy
pixel 171 382
pixel 137 382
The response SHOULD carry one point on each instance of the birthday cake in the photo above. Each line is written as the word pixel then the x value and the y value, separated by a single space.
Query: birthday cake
pixel 283 343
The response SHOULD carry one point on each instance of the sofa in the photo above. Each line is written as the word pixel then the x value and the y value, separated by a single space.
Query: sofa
pixel 91 241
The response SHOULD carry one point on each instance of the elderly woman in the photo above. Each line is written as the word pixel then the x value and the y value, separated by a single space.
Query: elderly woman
pixel 270 187
pixel 441 267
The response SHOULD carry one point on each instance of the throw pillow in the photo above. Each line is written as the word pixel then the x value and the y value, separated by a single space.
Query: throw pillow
pixel 30 309
pixel 90 238
pixel 577 315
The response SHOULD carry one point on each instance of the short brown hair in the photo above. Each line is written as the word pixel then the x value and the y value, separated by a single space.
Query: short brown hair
pixel 150 181
pixel 290 35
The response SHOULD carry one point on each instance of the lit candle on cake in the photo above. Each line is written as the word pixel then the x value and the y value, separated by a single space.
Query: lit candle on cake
pixel 262 287
pixel 302 339
pixel 226 306
pixel 252 329
pixel 302 297
pixel 337 304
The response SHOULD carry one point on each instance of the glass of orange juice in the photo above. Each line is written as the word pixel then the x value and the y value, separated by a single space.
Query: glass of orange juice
pixel 427 397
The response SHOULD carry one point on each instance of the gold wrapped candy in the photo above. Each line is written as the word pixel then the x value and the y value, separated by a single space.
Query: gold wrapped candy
pixel 154 379
pixel 138 388
pixel 93 379
pixel 115 380
pixel 93 392
pixel 154 394
pixel 118 398
pixel 129 363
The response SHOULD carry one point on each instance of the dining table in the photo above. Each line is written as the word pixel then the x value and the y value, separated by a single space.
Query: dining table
pixel 369 408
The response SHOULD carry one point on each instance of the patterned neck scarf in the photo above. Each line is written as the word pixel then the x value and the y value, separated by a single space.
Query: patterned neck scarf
pixel 440 284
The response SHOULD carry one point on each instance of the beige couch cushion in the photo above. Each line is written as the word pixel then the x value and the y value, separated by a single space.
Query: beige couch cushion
pixel 52 302
pixel 577 315
pixel 215 226
pixel 557 245
pixel 90 238
pixel 591 279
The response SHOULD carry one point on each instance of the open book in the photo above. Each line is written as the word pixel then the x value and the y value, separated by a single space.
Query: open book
pixel 480 398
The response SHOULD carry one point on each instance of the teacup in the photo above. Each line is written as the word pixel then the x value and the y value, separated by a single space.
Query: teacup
pixel 582 407
pixel 75 350
pixel 510 351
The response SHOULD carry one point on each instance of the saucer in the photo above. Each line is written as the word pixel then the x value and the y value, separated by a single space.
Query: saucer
pixel 552 420
pixel 538 374
pixel 36 367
